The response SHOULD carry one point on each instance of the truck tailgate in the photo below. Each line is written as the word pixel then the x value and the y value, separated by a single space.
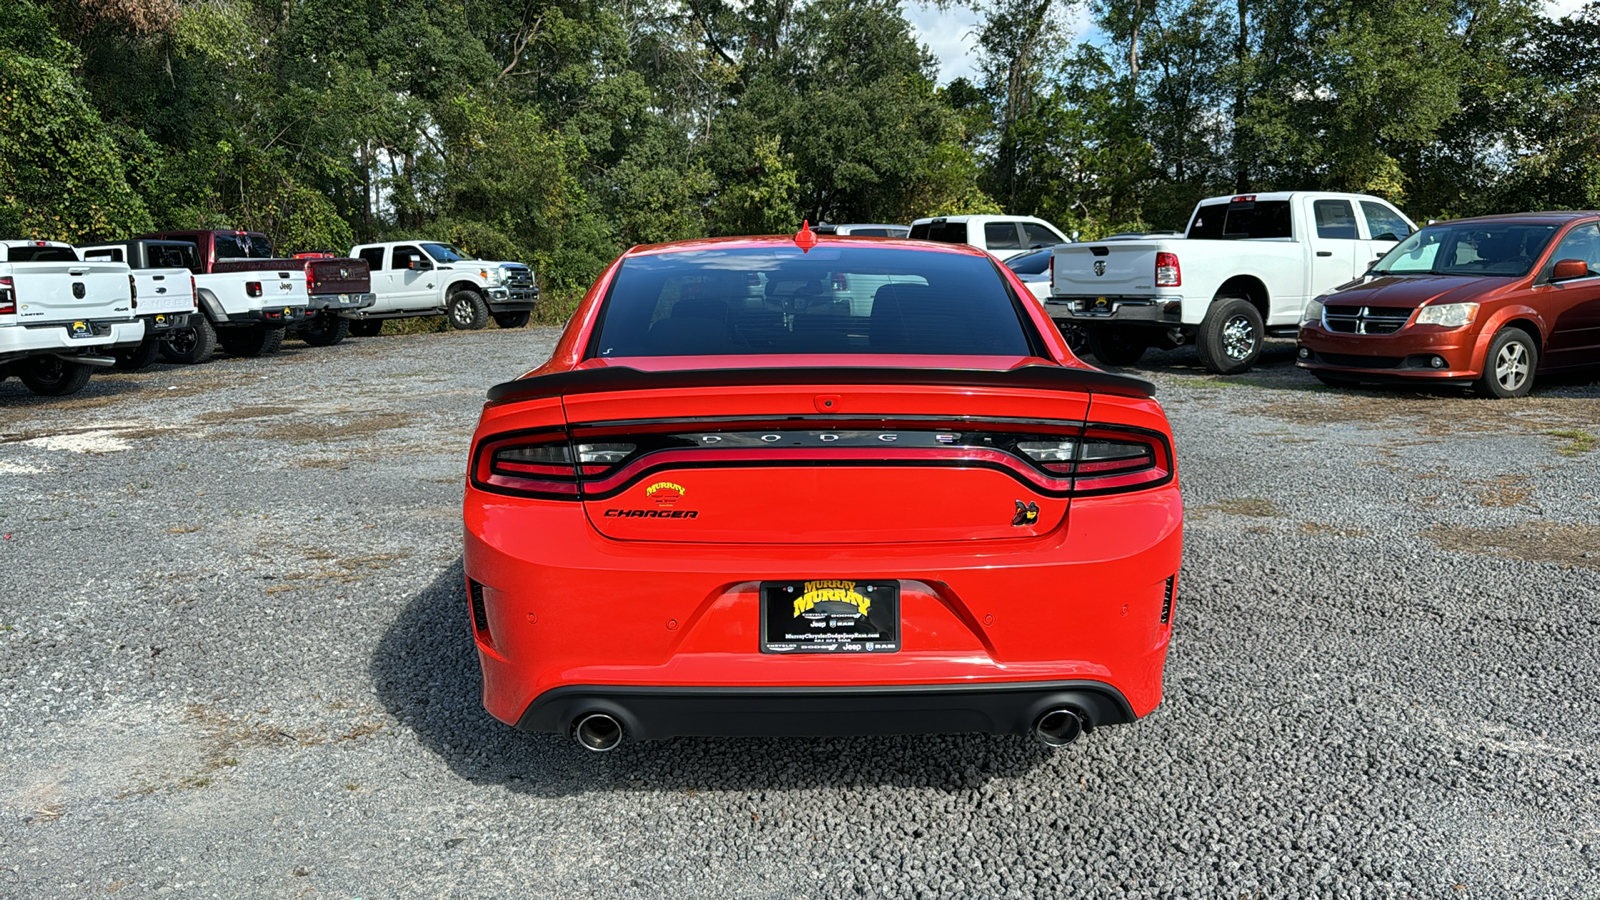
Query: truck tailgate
pixel 1112 268
pixel 338 276
pixel 163 291
pixel 49 292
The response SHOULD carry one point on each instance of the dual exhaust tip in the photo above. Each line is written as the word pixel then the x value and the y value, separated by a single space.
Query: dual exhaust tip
pixel 603 732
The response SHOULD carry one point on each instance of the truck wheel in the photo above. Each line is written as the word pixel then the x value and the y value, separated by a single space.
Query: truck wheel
pixel 325 329
pixel 365 327
pixel 191 345
pixel 1230 336
pixel 252 340
pixel 1509 365
pixel 512 319
pixel 1076 336
pixel 52 376
pixel 1117 346
pixel 467 310
pixel 132 359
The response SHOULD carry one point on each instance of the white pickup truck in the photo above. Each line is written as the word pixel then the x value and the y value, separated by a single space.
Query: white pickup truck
pixel 61 316
pixel 164 295
pixel 429 278
pixel 1244 269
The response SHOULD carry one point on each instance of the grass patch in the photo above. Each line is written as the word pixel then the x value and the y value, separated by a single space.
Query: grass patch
pixel 1578 441
pixel 1192 382
pixel 1503 492
pixel 1246 506
pixel 1548 542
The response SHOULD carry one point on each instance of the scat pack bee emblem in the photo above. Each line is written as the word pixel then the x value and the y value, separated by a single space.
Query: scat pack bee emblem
pixel 1027 514
pixel 834 591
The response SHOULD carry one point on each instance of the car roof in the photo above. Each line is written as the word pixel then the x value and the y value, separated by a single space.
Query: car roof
pixel 985 217
pixel 787 240
pixel 1540 217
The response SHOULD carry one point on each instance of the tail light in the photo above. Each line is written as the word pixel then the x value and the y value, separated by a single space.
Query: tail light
pixel 8 296
pixel 311 281
pixel 194 295
pixel 1167 272
pixel 253 288
pixel 133 291
pixel 1104 459
pixel 544 464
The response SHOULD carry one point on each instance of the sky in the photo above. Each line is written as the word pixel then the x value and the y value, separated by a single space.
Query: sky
pixel 950 34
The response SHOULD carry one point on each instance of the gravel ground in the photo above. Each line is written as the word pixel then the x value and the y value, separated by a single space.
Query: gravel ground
pixel 234 661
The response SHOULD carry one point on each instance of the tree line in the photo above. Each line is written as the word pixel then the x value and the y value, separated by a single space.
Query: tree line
pixel 563 131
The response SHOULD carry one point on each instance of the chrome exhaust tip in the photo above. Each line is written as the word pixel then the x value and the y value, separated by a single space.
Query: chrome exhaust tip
pixel 598 732
pixel 1058 727
pixel 104 362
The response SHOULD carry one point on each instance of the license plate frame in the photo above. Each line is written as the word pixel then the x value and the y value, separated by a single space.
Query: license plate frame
pixel 80 329
pixel 832 615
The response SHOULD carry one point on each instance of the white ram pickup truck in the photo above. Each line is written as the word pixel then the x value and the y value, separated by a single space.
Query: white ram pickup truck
pixel 61 316
pixel 429 278
pixel 164 292
pixel 1244 269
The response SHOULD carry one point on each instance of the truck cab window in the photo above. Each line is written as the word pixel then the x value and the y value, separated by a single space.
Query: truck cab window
pixel 1383 223
pixel 1336 220
pixel 374 258
pixel 405 256
pixel 1001 236
pixel 1039 236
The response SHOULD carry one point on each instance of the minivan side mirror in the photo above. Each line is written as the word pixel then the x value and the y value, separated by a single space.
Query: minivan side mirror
pixel 1568 269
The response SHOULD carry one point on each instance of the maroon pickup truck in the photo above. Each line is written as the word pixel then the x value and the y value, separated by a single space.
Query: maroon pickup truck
pixel 333 285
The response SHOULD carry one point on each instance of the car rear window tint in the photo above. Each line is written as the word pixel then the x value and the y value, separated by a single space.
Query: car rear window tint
pixel 752 301
pixel 41 254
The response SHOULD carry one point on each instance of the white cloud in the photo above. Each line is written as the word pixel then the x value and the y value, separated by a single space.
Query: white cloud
pixel 951 35
pixel 1555 9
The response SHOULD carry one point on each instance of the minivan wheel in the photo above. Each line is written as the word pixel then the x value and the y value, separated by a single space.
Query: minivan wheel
pixel 1230 336
pixel 1509 365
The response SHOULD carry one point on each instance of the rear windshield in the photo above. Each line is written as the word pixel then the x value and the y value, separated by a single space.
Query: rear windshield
pixel 174 256
pixel 243 246
pixel 943 232
pixel 832 300
pixel 1238 220
pixel 1468 248
pixel 41 254
pixel 1030 263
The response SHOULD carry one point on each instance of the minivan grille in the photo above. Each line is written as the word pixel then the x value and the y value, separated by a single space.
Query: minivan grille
pixel 1366 319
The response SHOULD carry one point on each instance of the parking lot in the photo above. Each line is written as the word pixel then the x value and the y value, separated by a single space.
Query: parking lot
pixel 235 661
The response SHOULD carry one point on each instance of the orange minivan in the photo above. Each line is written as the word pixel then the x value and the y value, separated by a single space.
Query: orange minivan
pixel 1489 302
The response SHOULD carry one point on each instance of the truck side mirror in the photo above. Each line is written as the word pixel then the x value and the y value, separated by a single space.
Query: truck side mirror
pixel 419 264
pixel 1568 269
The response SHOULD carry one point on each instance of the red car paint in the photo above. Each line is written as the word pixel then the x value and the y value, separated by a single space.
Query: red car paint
pixel 646 578
pixel 1561 314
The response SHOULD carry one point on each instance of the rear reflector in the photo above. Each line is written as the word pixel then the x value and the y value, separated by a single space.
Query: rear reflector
pixel 480 613
pixel 1166 602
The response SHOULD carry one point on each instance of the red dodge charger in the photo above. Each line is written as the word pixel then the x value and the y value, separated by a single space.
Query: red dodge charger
pixel 819 486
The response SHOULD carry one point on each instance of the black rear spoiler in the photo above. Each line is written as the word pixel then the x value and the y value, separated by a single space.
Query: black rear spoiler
pixel 623 378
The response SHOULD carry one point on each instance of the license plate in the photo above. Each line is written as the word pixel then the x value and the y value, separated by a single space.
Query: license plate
pixel 161 321
pixel 344 298
pixel 834 615
pixel 82 329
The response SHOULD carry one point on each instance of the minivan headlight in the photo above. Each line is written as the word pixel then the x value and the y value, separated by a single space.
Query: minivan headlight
pixel 1448 315
pixel 1313 312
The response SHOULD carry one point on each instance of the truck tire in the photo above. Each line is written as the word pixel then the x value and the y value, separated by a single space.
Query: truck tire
pixel 52 376
pixel 366 327
pixel 1230 336
pixel 325 329
pixel 1509 365
pixel 1117 346
pixel 512 319
pixel 188 346
pixel 132 359
pixel 252 340
pixel 466 310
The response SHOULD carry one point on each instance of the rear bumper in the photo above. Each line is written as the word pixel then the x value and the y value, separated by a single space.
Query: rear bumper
pixel 651 713
pixel 276 315
pixel 1162 311
pixel 340 302
pixel 18 341
pixel 160 325
pixel 563 617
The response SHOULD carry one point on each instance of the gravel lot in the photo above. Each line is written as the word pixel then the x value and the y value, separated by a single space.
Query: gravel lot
pixel 234 661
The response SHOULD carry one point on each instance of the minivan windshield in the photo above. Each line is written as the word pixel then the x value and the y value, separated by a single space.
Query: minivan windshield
pixel 1469 248
pixel 778 300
